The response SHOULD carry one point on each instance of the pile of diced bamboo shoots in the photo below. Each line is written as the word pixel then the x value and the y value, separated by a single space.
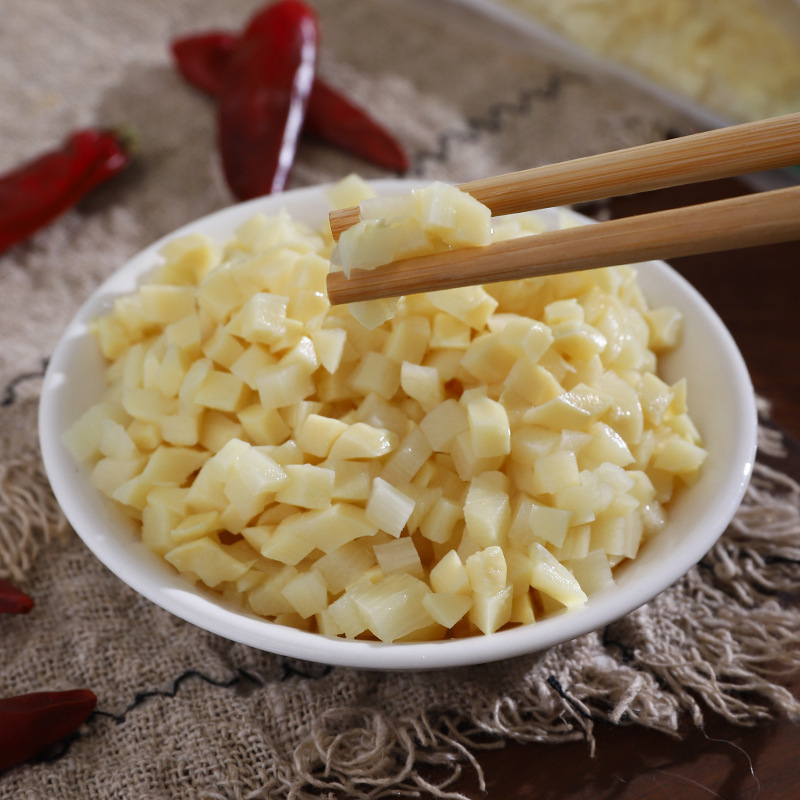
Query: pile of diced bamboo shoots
pixel 465 461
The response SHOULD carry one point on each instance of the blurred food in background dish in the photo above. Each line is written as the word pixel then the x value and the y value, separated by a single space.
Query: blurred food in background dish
pixel 739 59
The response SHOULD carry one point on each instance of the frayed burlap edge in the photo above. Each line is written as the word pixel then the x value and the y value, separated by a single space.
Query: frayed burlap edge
pixel 30 517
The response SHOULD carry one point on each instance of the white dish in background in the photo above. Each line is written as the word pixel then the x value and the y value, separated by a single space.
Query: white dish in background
pixel 721 400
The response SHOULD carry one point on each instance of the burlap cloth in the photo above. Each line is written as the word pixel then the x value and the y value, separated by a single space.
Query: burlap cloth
pixel 183 713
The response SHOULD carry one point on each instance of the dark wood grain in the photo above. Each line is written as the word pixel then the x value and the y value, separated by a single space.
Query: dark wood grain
pixel 756 292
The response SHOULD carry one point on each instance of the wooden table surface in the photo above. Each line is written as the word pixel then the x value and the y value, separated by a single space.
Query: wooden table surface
pixel 756 292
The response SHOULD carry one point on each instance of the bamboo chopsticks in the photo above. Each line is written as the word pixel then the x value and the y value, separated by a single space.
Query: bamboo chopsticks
pixel 763 218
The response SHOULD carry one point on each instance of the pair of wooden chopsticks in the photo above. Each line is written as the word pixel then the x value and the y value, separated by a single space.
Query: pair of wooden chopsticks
pixel 757 219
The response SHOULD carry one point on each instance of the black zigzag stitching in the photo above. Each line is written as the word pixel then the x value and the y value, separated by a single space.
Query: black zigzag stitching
pixel 496 117
pixel 60 750
pixel 142 697
pixel 10 390
pixel 288 671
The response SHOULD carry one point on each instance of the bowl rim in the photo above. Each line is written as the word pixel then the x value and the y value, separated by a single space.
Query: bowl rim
pixel 149 575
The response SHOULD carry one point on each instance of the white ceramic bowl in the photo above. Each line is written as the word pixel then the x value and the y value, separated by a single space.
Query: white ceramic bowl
pixel 721 403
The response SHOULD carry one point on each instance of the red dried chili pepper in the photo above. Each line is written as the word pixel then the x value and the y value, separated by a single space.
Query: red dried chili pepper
pixel 203 58
pixel 333 118
pixel 34 194
pixel 29 723
pixel 13 600
pixel 264 98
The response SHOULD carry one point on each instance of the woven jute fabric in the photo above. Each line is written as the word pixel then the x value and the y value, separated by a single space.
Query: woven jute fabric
pixel 186 714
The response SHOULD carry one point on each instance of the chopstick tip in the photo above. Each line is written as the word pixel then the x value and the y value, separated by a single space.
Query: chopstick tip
pixel 341 219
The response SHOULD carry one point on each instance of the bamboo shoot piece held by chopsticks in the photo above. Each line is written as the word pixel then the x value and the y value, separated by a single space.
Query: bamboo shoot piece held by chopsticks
pixel 724 225
pixel 746 221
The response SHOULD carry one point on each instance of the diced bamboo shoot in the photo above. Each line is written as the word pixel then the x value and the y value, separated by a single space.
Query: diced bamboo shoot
pixel 399 555
pixel 210 561
pixel 489 428
pixel 554 579
pixel 363 441
pixel 447 608
pixel 487 571
pixel 487 509
pixel 388 507
pixel 392 608
pixel 592 572
pixel 449 575
pixel 307 486
pixel 490 612
pixel 307 593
